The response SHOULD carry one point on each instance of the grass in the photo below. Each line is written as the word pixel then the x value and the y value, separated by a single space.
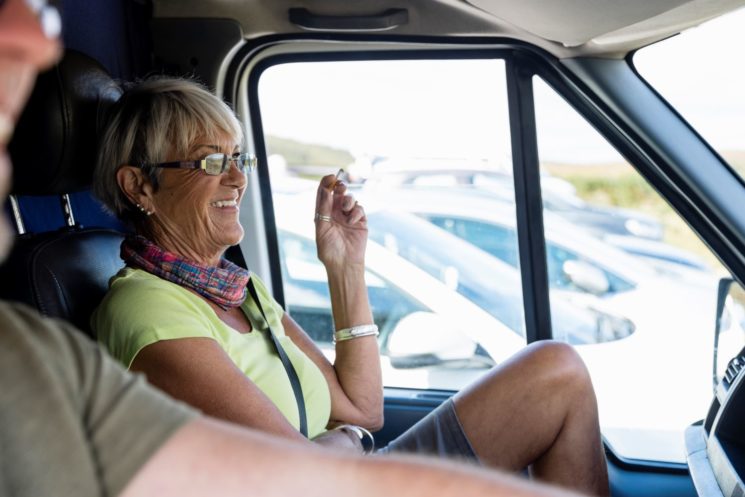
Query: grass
pixel 619 185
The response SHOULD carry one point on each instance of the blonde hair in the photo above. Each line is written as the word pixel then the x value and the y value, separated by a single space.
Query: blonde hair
pixel 153 118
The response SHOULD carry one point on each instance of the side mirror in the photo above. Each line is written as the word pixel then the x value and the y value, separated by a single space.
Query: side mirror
pixel 586 276
pixel 427 339
pixel 729 331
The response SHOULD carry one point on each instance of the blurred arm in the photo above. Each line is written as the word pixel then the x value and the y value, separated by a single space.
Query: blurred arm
pixel 209 457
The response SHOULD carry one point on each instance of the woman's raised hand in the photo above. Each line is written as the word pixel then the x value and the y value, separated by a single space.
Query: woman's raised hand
pixel 341 225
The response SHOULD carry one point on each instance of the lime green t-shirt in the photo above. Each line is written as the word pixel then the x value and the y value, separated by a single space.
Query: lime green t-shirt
pixel 141 309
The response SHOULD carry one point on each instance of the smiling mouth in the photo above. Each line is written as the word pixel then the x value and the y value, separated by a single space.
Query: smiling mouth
pixel 221 204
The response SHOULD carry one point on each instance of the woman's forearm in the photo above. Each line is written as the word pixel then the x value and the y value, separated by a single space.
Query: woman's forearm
pixel 357 361
pixel 349 302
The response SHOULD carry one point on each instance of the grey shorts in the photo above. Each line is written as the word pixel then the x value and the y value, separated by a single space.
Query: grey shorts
pixel 437 434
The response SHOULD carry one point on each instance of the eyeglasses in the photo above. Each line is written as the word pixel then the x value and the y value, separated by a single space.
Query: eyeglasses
pixel 213 164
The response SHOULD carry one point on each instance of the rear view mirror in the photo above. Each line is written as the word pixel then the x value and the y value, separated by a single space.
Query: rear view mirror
pixel 425 339
pixel 729 333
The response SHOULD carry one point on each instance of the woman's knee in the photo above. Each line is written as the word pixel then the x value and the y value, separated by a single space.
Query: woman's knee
pixel 557 361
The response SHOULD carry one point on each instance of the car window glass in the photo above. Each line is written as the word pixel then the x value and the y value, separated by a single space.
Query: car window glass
pixel 307 293
pixel 701 74
pixel 615 245
pixel 407 133
pixel 494 239
pixel 501 242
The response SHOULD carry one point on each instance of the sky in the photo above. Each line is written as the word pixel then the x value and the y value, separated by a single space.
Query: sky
pixel 702 74
pixel 458 109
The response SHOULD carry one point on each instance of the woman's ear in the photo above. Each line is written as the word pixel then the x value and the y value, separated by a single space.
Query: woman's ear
pixel 135 185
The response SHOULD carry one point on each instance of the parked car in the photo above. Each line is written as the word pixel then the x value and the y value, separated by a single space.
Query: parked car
pixel 558 195
pixel 491 225
pixel 484 280
pixel 662 256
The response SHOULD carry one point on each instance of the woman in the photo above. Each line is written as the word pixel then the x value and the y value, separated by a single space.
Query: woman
pixel 171 166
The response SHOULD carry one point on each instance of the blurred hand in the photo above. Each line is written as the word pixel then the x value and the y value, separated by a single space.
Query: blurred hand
pixel 341 226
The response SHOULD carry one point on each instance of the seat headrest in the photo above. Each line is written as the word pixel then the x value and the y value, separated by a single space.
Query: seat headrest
pixel 54 146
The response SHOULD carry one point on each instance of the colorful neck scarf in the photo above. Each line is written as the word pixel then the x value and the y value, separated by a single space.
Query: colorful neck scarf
pixel 225 284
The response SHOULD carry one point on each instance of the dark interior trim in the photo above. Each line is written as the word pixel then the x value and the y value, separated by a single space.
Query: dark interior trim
pixel 528 203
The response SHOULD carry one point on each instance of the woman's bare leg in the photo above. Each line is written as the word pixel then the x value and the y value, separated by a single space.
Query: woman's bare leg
pixel 538 410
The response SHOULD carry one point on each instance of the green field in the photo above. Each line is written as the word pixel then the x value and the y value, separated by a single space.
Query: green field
pixel 620 185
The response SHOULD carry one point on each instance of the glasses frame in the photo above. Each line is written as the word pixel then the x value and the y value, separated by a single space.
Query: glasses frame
pixel 249 162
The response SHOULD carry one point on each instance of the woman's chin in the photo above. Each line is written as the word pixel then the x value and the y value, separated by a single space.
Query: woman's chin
pixel 231 236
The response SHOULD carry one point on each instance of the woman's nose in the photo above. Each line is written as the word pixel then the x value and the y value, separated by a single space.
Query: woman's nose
pixel 29 37
pixel 235 175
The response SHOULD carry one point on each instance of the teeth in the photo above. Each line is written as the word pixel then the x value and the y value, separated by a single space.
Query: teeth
pixel 6 128
pixel 225 203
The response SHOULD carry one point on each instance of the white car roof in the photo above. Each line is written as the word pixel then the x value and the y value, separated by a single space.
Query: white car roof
pixel 482 207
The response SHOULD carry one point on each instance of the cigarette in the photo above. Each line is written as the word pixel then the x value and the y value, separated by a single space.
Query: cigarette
pixel 336 180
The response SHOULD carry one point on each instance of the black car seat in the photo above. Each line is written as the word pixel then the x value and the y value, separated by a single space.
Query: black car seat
pixel 63 273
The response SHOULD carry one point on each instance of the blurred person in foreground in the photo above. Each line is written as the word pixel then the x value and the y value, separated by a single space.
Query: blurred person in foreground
pixel 72 422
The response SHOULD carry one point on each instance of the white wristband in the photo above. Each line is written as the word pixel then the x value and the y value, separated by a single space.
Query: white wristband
pixel 355 332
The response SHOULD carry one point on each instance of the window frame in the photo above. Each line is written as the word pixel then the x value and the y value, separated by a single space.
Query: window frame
pixel 531 246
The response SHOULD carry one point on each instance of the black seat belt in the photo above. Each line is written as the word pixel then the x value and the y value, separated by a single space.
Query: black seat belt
pixel 291 373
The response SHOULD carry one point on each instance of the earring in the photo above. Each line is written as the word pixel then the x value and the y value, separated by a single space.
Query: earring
pixel 144 211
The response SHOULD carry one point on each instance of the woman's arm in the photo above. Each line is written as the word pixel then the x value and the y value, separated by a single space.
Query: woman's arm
pixel 355 379
pixel 350 400
pixel 200 373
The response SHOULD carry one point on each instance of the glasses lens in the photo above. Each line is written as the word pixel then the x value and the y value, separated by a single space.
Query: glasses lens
pixel 246 163
pixel 214 164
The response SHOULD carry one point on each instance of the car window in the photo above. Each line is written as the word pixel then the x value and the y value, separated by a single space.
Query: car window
pixel 307 292
pixel 391 126
pixel 708 91
pixel 496 240
pixel 487 282
pixel 599 213
pixel 501 242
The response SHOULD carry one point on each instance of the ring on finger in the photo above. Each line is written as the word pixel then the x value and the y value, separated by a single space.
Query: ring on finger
pixel 321 217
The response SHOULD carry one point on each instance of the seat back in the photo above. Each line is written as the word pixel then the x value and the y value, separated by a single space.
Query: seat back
pixel 63 273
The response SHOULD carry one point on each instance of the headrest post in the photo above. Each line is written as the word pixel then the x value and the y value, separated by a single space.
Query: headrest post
pixel 20 227
pixel 67 210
